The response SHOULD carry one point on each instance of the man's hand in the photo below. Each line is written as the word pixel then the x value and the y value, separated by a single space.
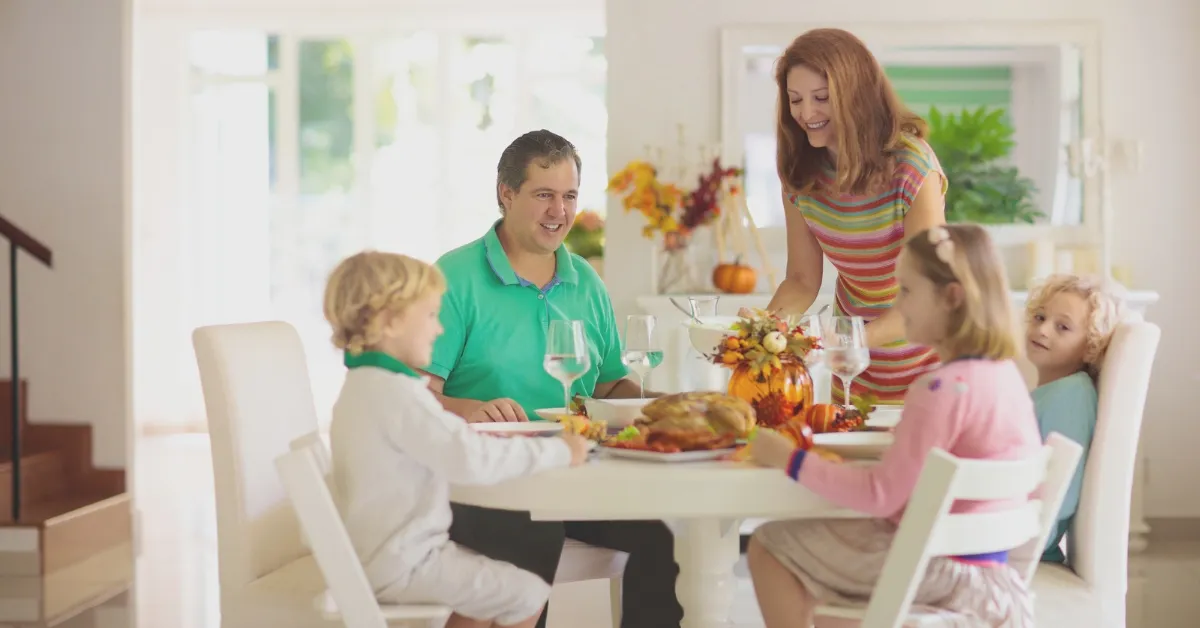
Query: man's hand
pixel 498 411
pixel 771 449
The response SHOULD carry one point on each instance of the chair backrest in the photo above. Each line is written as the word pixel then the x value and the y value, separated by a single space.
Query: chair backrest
pixel 313 441
pixel 929 529
pixel 1064 459
pixel 258 399
pixel 1098 543
pixel 303 478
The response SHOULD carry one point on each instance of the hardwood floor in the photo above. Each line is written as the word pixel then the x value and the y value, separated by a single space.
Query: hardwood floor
pixel 176 573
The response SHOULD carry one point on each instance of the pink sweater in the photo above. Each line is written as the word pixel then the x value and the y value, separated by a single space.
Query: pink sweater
pixel 977 409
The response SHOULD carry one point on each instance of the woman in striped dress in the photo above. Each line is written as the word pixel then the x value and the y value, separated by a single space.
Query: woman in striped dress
pixel 857 176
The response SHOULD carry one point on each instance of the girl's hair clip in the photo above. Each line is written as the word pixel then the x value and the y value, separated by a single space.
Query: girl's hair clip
pixel 943 246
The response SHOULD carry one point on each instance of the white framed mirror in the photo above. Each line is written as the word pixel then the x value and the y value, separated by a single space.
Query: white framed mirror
pixel 1041 78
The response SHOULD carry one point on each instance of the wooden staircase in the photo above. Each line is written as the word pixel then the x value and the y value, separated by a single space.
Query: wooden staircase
pixel 66 527
pixel 57 476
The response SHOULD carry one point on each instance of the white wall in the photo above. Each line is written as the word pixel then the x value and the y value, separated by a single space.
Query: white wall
pixel 663 70
pixel 64 178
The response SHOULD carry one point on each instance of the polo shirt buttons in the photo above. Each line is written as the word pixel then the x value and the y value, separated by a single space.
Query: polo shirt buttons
pixel 541 296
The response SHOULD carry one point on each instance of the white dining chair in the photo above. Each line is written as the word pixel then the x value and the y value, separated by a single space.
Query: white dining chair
pixel 580 562
pixel 258 399
pixel 928 528
pixel 1091 589
pixel 353 600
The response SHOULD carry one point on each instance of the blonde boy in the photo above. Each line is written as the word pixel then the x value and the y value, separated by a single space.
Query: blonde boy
pixel 395 450
pixel 1069 322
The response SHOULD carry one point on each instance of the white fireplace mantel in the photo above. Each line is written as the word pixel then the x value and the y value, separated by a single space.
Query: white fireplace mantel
pixel 683 369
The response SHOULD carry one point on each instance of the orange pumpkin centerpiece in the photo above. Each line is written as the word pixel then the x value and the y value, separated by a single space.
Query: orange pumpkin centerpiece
pixel 767 358
pixel 735 278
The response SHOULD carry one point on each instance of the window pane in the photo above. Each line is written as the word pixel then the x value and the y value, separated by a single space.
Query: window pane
pixel 229 196
pixel 568 80
pixel 481 121
pixel 233 53
pixel 407 209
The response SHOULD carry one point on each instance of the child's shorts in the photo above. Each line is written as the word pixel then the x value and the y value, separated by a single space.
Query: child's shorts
pixel 472 586
pixel 839 561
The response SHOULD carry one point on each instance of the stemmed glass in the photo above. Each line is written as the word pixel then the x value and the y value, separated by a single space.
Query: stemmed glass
pixel 704 307
pixel 642 352
pixel 566 354
pixel 845 349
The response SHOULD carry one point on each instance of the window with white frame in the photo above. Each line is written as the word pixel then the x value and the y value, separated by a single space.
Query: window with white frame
pixel 303 150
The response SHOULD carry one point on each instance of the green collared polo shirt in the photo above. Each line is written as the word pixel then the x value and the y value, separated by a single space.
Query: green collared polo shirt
pixel 496 322
pixel 381 360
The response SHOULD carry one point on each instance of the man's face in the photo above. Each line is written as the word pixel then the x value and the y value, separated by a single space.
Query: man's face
pixel 540 213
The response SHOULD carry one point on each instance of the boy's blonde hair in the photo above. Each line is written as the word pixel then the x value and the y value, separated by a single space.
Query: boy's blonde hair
pixel 964 254
pixel 368 285
pixel 1105 311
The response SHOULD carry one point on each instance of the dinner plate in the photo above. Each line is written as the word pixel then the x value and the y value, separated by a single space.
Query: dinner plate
pixel 533 428
pixel 551 414
pixel 855 444
pixel 681 456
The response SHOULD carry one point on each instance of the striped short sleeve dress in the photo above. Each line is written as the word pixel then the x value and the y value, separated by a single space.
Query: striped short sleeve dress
pixel 862 235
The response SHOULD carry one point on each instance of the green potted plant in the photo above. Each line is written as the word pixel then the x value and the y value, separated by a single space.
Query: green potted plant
pixel 971 145
pixel 586 237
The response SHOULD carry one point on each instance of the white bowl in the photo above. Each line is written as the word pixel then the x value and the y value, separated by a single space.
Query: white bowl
pixel 617 413
pixel 708 334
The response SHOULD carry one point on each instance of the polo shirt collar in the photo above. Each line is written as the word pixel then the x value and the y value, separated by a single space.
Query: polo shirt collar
pixel 564 268
pixel 381 360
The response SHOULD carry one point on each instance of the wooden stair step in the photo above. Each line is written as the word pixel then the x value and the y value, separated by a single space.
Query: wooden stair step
pixel 44 478
pixel 39 512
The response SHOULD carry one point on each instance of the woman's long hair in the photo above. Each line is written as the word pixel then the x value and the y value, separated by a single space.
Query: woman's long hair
pixel 869 119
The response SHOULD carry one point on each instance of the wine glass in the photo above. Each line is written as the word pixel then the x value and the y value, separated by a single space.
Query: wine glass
pixel 704 307
pixel 566 354
pixel 845 349
pixel 642 352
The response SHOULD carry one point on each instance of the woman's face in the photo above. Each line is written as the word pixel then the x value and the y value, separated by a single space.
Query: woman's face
pixel 808 102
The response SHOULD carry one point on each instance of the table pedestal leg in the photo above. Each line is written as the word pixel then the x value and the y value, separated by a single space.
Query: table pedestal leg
pixel 706 550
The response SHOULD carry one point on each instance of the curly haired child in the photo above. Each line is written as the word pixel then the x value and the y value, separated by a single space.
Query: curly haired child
pixel 395 451
pixel 1069 321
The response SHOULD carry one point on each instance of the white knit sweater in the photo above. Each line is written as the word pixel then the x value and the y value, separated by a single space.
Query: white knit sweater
pixel 395 453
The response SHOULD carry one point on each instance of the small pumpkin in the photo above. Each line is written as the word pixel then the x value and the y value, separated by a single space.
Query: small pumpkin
pixel 827 417
pixel 735 278
pixel 822 416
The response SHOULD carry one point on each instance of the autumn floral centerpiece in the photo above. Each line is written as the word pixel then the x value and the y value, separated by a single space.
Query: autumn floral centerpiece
pixel 768 361
pixel 672 212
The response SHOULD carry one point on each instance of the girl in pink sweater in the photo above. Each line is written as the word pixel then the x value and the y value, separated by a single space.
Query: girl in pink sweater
pixel 954 297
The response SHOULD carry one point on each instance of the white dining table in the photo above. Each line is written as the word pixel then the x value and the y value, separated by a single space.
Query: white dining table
pixel 702 502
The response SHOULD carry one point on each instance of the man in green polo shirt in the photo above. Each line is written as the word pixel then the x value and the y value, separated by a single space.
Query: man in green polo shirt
pixel 503 290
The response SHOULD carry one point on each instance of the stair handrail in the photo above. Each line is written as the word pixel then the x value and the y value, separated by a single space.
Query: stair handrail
pixel 18 239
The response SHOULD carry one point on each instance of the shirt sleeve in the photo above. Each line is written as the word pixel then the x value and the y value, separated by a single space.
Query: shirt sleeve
pixel 932 418
pixel 1070 410
pixel 611 366
pixel 913 167
pixel 449 346
pixel 448 446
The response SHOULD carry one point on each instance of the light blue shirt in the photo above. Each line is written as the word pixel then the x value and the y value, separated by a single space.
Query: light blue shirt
pixel 1067 406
